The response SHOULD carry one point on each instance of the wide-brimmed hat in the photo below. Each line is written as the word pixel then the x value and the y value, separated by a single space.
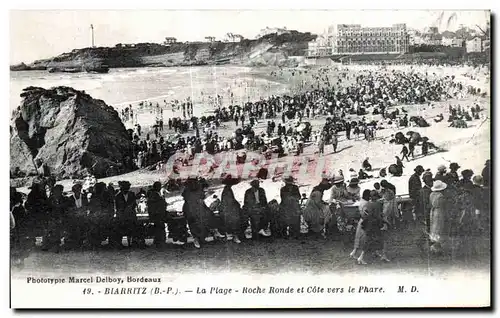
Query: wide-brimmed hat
pixel 438 185
pixel 441 168
pixel 419 169
pixel 454 165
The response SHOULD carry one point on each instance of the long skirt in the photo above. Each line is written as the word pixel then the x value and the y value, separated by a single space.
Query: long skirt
pixel 360 239
pixel 317 220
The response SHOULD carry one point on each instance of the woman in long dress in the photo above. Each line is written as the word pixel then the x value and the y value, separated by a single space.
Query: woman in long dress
pixel 439 215
pixel 230 210
pixel 390 208
pixel 360 239
pixel 376 227
pixel 198 215
pixel 316 213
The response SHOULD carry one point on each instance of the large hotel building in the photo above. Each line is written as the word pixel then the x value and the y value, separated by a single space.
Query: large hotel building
pixel 354 39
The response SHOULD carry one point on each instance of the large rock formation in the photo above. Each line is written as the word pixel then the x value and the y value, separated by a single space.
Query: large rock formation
pixel 66 132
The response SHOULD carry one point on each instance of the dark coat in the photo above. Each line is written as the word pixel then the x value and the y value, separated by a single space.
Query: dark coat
pixel 290 203
pixel 414 186
pixel 101 208
pixel 59 207
pixel 250 203
pixel 126 210
pixel 157 206
pixel 230 210
pixel 486 174
pixel 451 177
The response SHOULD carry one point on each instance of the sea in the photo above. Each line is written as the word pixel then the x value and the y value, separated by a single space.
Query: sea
pixel 130 86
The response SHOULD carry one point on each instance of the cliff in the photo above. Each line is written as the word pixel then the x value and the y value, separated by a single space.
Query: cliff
pixel 271 48
pixel 66 130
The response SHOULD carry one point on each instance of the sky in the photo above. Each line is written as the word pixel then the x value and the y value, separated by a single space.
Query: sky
pixel 43 34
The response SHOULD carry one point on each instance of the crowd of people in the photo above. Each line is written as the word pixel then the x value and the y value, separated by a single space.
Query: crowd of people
pixel 447 205
pixel 444 205
pixel 377 90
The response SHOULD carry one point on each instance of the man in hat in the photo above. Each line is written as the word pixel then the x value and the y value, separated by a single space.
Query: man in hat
pixel 466 182
pixel 441 173
pixel 157 208
pixel 414 187
pixel 323 185
pixel 126 216
pixel 289 212
pixel 255 208
pixel 452 176
pixel 76 222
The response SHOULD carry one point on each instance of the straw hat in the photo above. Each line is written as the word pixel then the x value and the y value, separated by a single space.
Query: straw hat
pixel 438 185
pixel 477 180
pixel 441 168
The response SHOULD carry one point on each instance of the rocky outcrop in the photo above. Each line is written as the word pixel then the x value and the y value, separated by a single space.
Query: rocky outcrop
pixel 24 67
pixel 66 133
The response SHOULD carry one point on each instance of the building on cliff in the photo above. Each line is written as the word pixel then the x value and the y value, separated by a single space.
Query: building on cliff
pixel 170 40
pixel 268 30
pixel 232 38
